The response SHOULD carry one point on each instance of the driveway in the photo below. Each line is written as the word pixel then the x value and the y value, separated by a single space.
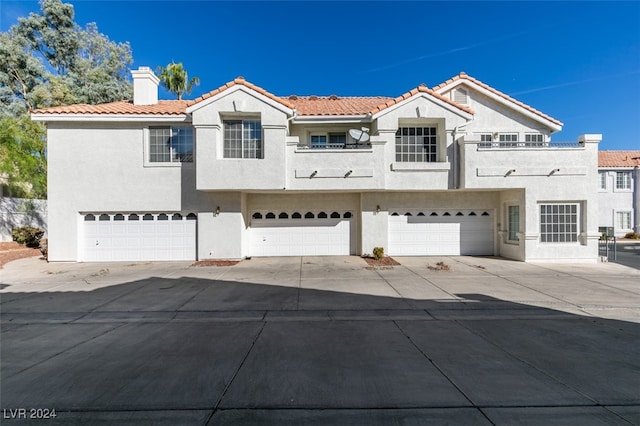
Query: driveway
pixel 321 340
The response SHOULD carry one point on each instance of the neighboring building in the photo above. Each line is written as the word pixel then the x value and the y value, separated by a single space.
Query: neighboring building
pixel 458 169
pixel 619 192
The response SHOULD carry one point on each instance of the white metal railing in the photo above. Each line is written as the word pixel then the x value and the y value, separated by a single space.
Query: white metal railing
pixel 335 146
pixel 550 144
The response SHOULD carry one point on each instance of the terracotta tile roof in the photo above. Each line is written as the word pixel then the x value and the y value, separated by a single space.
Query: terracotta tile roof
pixel 335 105
pixel 120 107
pixel 423 89
pixel 464 76
pixel 241 81
pixel 618 158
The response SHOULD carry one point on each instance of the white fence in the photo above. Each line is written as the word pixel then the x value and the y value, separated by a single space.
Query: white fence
pixel 15 212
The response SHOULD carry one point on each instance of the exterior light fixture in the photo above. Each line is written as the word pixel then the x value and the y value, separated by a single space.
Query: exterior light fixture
pixel 348 173
pixel 315 172
pixel 510 172
pixel 217 210
pixel 378 208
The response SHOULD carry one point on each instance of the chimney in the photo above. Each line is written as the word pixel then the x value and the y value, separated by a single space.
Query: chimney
pixel 145 86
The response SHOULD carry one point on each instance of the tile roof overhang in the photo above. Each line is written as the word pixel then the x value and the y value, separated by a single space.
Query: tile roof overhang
pixel 618 159
pixel 422 90
pixel 463 78
pixel 114 111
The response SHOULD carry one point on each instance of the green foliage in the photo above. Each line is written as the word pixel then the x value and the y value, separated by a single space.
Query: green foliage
pixel 632 235
pixel 176 80
pixel 23 157
pixel 378 253
pixel 47 60
pixel 27 235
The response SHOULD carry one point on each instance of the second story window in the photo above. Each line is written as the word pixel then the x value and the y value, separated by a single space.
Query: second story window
pixel 242 139
pixel 603 180
pixel 171 144
pixel 416 144
pixel 328 141
pixel 534 139
pixel 486 140
pixel 508 139
pixel 623 180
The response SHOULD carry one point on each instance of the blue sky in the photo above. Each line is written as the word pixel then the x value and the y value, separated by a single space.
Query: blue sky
pixel 576 61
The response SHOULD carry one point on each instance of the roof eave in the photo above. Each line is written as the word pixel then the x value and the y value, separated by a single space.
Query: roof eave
pixel 69 117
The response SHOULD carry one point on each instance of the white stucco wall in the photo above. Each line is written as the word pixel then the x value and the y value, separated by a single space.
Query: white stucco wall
pixel 612 200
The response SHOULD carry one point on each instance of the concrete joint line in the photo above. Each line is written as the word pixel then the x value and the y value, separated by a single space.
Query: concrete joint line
pixel 431 282
pixel 235 374
pixel 517 358
pixel 117 326
pixel 437 367
pixel 394 289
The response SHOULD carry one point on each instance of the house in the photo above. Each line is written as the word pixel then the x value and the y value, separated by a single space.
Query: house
pixel 619 192
pixel 457 169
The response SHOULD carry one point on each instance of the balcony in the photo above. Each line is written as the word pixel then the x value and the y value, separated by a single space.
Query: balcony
pixel 523 163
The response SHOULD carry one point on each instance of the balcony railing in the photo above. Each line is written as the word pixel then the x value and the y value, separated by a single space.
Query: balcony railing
pixel 335 146
pixel 511 145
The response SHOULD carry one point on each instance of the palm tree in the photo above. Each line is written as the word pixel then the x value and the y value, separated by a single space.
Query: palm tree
pixel 175 79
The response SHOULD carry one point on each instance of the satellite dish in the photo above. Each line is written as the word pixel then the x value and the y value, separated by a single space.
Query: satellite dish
pixel 360 136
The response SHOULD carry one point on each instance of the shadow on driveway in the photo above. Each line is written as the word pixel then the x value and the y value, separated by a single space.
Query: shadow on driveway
pixel 196 351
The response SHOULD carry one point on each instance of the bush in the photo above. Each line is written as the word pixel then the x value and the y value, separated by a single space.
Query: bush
pixel 27 235
pixel 378 253
pixel 632 236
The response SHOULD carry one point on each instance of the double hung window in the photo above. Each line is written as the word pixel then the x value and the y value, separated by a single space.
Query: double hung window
pixel 514 223
pixel 623 180
pixel 508 139
pixel 623 220
pixel 603 180
pixel 242 139
pixel 171 144
pixel 416 144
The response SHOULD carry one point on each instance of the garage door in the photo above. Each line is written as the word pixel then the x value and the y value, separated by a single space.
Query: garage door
pixel 441 232
pixel 308 233
pixel 138 237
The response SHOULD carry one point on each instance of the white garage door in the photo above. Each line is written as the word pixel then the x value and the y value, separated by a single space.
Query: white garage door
pixel 301 233
pixel 441 232
pixel 138 237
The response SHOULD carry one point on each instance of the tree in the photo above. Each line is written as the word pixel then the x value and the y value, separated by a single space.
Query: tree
pixel 46 60
pixel 23 157
pixel 175 79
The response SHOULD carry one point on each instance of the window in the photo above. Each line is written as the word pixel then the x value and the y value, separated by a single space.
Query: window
pixel 558 223
pixel 514 223
pixel 318 141
pixel 242 139
pixel 331 141
pixel 486 140
pixel 171 144
pixel 623 180
pixel 623 220
pixel 534 139
pixel 603 180
pixel 416 144
pixel 508 139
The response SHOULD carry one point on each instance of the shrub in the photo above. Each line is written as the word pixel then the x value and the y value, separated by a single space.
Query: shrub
pixel 632 236
pixel 378 253
pixel 27 235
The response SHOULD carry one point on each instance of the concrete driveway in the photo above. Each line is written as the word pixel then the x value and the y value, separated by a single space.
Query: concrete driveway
pixel 321 341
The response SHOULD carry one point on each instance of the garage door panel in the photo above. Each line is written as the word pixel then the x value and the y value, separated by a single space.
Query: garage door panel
pixel 460 232
pixel 130 237
pixel 300 237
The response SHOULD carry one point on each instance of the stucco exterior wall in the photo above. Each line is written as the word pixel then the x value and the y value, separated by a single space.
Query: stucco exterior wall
pixel 101 168
pixel 612 200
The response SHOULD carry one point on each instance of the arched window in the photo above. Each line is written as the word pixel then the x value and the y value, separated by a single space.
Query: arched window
pixel 472 214
pixel 485 214
pixel 257 215
pixel 395 214
pixel 433 214
pixel 420 214
pixel 347 215
pixel 335 215
pixel 118 216
pixel 147 216
pixel 283 215
pixel 163 216
pixel 89 218
pixel 134 216
pixel 104 217
pixel 270 215
pixel 459 214
pixel 176 216
pixel 322 215
pixel 309 215
pixel 192 216
pixel 446 214
pixel 296 215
